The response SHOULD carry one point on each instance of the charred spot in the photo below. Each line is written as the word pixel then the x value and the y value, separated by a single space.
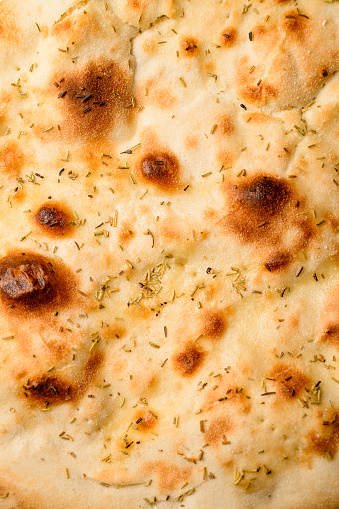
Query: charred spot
pixel 23 280
pixel 32 282
pixel 325 440
pixel 160 169
pixel 214 325
pixel 217 431
pixel 229 37
pixel 53 219
pixel 264 194
pixel 188 361
pixel 189 47
pixel 277 261
pixel 48 390
pixel 145 420
pixel 288 381
pixel 94 99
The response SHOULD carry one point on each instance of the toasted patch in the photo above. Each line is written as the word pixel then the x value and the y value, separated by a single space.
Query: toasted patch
pixel 295 26
pixel 226 124
pixel 214 324
pixel 288 381
pixel 189 47
pixel 217 431
pixel 160 169
pixel 169 476
pixel 44 389
pixel 265 210
pixel 277 261
pixel 229 37
pixel 145 420
pixel 329 320
pixel 325 439
pixel 93 99
pixel 188 361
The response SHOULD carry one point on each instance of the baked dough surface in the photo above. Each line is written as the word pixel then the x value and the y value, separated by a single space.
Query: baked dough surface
pixel 169 294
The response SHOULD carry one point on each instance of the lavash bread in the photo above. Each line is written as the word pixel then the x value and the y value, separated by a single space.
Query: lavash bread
pixel 169 270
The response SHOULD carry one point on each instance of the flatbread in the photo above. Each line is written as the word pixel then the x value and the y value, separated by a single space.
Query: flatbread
pixel 169 319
